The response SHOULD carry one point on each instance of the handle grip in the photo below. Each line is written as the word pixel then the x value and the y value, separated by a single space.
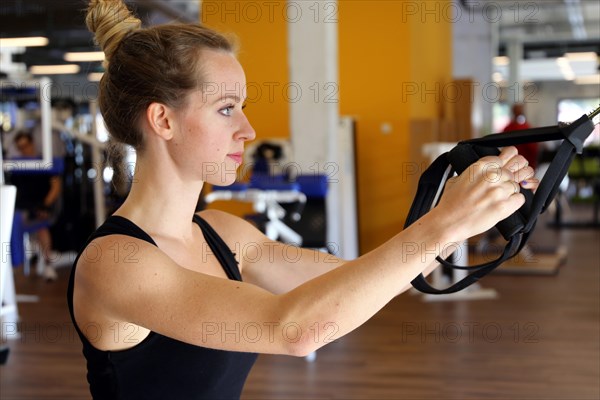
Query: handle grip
pixel 465 154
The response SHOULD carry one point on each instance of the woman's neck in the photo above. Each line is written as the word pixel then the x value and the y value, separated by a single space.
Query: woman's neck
pixel 160 202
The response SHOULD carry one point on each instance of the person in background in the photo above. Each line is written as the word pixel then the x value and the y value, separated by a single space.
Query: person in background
pixel 518 123
pixel 38 199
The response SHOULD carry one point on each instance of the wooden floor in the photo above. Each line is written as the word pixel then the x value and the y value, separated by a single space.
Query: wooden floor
pixel 539 340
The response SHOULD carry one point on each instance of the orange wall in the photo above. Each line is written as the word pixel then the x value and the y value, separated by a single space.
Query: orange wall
pixel 373 51
pixel 261 32
pixel 430 59
pixel 383 53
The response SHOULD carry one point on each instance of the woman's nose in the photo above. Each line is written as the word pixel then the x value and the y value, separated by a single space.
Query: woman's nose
pixel 246 131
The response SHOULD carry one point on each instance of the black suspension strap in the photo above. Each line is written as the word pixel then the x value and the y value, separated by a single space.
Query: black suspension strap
pixel 517 227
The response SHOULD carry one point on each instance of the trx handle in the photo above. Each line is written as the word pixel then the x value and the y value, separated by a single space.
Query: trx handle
pixel 462 156
pixel 517 227
pixel 428 193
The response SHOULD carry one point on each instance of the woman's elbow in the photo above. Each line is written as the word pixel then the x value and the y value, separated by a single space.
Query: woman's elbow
pixel 301 347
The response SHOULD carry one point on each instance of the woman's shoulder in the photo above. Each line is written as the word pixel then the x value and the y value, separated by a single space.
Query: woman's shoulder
pixel 220 219
pixel 103 253
pixel 227 225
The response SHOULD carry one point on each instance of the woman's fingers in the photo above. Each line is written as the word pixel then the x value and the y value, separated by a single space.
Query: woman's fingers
pixel 487 192
pixel 494 170
pixel 531 183
pixel 524 174
pixel 507 154
pixel 519 167
pixel 517 163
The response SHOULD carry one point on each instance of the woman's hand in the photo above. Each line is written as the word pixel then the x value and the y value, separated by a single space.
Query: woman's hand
pixel 485 193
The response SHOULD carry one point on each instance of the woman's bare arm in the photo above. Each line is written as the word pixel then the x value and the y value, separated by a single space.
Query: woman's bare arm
pixel 157 294
pixel 151 291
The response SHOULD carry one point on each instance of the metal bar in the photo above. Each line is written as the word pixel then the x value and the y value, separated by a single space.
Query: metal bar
pixel 97 163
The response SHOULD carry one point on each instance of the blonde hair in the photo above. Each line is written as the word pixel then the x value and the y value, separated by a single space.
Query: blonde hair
pixel 161 63
pixel 110 21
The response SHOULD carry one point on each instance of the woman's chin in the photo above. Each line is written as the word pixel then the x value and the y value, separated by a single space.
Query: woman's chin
pixel 227 181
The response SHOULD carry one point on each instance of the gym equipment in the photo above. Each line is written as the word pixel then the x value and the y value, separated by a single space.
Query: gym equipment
pixel 266 193
pixel 39 90
pixel 517 227
pixel 9 313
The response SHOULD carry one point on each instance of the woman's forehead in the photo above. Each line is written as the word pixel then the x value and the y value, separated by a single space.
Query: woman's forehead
pixel 222 77
pixel 222 67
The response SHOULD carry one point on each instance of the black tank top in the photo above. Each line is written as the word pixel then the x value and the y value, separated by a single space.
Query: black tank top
pixel 160 367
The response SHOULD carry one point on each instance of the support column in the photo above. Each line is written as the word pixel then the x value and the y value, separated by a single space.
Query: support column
pixel 515 55
pixel 314 110
pixel 474 44
pixel 314 113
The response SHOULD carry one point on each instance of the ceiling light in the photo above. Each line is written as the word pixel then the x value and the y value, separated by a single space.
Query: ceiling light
pixel 54 69
pixel 497 77
pixel 95 76
pixel 501 60
pixel 583 56
pixel 33 41
pixel 565 68
pixel 85 56
pixel 588 80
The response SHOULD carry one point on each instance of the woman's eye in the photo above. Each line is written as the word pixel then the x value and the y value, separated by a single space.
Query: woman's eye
pixel 227 111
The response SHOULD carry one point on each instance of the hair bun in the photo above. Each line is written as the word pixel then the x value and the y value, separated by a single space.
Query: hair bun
pixel 110 21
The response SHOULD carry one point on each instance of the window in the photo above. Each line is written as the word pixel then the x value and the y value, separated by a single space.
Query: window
pixel 571 109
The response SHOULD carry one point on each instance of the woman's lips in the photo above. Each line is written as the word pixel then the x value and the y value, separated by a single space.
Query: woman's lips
pixel 237 157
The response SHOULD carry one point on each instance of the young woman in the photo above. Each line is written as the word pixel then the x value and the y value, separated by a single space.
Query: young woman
pixel 162 305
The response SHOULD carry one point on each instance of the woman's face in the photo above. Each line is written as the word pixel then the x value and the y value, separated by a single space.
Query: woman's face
pixel 212 127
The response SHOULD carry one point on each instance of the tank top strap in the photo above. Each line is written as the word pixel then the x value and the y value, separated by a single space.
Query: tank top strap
pixel 116 224
pixel 219 248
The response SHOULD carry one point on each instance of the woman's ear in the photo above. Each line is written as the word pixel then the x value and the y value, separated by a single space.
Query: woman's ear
pixel 159 118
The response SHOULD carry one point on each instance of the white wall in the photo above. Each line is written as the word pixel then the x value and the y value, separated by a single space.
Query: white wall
pixel 473 46
pixel 541 100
